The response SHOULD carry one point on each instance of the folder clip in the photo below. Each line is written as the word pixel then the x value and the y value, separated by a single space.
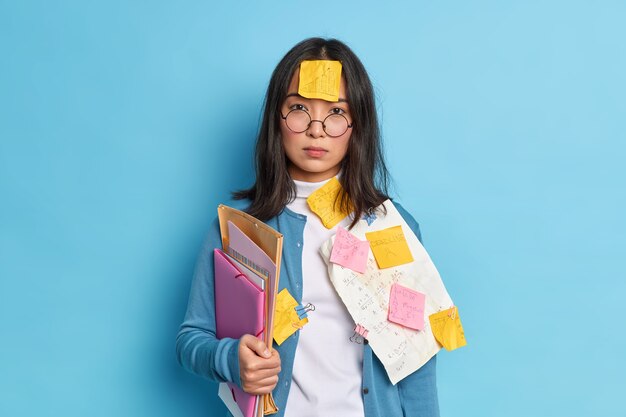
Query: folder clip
pixel 452 314
pixel 360 334
pixel 369 218
pixel 303 310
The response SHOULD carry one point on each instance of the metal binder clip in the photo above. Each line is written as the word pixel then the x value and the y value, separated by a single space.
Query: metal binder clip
pixel 360 334
pixel 369 218
pixel 303 310
pixel 356 338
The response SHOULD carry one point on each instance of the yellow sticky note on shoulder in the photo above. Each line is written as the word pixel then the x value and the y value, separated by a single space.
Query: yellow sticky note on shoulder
pixel 325 203
pixel 286 320
pixel 389 247
pixel 320 79
pixel 447 328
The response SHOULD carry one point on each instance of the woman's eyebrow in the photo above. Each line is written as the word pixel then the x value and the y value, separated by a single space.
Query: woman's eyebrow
pixel 342 100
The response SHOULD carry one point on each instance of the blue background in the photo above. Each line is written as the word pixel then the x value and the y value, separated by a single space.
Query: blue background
pixel 124 123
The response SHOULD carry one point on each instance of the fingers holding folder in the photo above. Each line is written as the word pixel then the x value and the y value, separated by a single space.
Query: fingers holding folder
pixel 258 367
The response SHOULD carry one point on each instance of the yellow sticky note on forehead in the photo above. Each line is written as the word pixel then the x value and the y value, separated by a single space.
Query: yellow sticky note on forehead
pixel 320 79
pixel 389 247
pixel 325 203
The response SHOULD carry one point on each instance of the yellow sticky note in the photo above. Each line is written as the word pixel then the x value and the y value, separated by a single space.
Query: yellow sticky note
pixel 286 320
pixel 389 247
pixel 447 328
pixel 320 79
pixel 325 203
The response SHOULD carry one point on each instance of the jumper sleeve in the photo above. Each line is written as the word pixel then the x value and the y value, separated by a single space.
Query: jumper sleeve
pixel 418 391
pixel 197 347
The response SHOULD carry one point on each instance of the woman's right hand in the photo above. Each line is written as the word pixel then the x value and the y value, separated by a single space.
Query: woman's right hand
pixel 258 368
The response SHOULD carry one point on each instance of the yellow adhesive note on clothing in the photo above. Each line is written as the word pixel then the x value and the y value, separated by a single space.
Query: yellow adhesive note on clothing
pixel 389 247
pixel 320 79
pixel 325 203
pixel 286 320
pixel 447 328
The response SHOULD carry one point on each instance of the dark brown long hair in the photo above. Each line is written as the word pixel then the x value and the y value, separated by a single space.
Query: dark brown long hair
pixel 364 177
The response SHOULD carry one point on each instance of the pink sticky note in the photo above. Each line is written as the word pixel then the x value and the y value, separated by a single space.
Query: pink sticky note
pixel 406 307
pixel 349 251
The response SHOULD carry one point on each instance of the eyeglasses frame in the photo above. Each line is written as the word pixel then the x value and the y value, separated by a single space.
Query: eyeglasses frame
pixel 311 120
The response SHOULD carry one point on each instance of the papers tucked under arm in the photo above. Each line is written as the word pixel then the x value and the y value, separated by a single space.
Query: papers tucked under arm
pixel 239 310
pixel 259 248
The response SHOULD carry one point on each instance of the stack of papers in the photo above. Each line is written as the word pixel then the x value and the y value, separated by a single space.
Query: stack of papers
pixel 247 270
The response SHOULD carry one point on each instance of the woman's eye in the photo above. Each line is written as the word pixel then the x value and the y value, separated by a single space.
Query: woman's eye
pixel 337 110
pixel 297 107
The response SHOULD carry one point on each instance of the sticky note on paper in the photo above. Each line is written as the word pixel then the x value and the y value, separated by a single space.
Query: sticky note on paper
pixel 320 79
pixel 447 328
pixel 350 251
pixel 325 203
pixel 406 307
pixel 286 320
pixel 389 247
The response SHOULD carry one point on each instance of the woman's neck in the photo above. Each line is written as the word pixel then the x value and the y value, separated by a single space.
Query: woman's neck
pixel 305 188
pixel 306 176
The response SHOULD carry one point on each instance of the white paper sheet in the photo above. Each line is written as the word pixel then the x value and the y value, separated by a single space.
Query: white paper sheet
pixel 227 398
pixel 402 351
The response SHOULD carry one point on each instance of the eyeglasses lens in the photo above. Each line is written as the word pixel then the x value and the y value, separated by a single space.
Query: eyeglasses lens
pixel 298 120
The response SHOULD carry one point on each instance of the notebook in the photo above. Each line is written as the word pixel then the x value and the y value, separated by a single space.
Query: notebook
pixel 239 310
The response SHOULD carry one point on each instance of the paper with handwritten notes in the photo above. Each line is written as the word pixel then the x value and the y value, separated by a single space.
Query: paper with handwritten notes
pixel 326 203
pixel 349 251
pixel 448 329
pixel 286 318
pixel 320 78
pixel 401 350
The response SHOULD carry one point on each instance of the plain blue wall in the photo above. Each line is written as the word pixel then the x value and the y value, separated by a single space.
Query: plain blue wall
pixel 124 123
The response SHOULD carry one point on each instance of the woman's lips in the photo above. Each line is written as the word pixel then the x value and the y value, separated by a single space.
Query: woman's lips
pixel 315 152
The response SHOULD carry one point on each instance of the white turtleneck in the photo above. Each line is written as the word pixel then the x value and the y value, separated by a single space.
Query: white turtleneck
pixel 327 371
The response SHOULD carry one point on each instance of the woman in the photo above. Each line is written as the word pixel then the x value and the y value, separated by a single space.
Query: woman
pixel 302 144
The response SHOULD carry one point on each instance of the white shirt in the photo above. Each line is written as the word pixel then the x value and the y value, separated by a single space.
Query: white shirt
pixel 327 370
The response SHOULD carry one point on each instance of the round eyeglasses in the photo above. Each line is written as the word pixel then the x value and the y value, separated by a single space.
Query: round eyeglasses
pixel 298 121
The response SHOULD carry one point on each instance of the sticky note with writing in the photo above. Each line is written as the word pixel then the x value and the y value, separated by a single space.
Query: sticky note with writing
pixel 325 203
pixel 389 247
pixel 406 307
pixel 350 251
pixel 447 328
pixel 286 320
pixel 320 79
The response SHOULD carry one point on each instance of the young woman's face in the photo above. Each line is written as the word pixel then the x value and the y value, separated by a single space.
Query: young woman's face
pixel 313 155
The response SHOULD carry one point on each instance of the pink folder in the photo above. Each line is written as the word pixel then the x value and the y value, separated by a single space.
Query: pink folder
pixel 239 310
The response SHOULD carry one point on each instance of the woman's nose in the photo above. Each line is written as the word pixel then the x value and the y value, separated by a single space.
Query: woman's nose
pixel 316 129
